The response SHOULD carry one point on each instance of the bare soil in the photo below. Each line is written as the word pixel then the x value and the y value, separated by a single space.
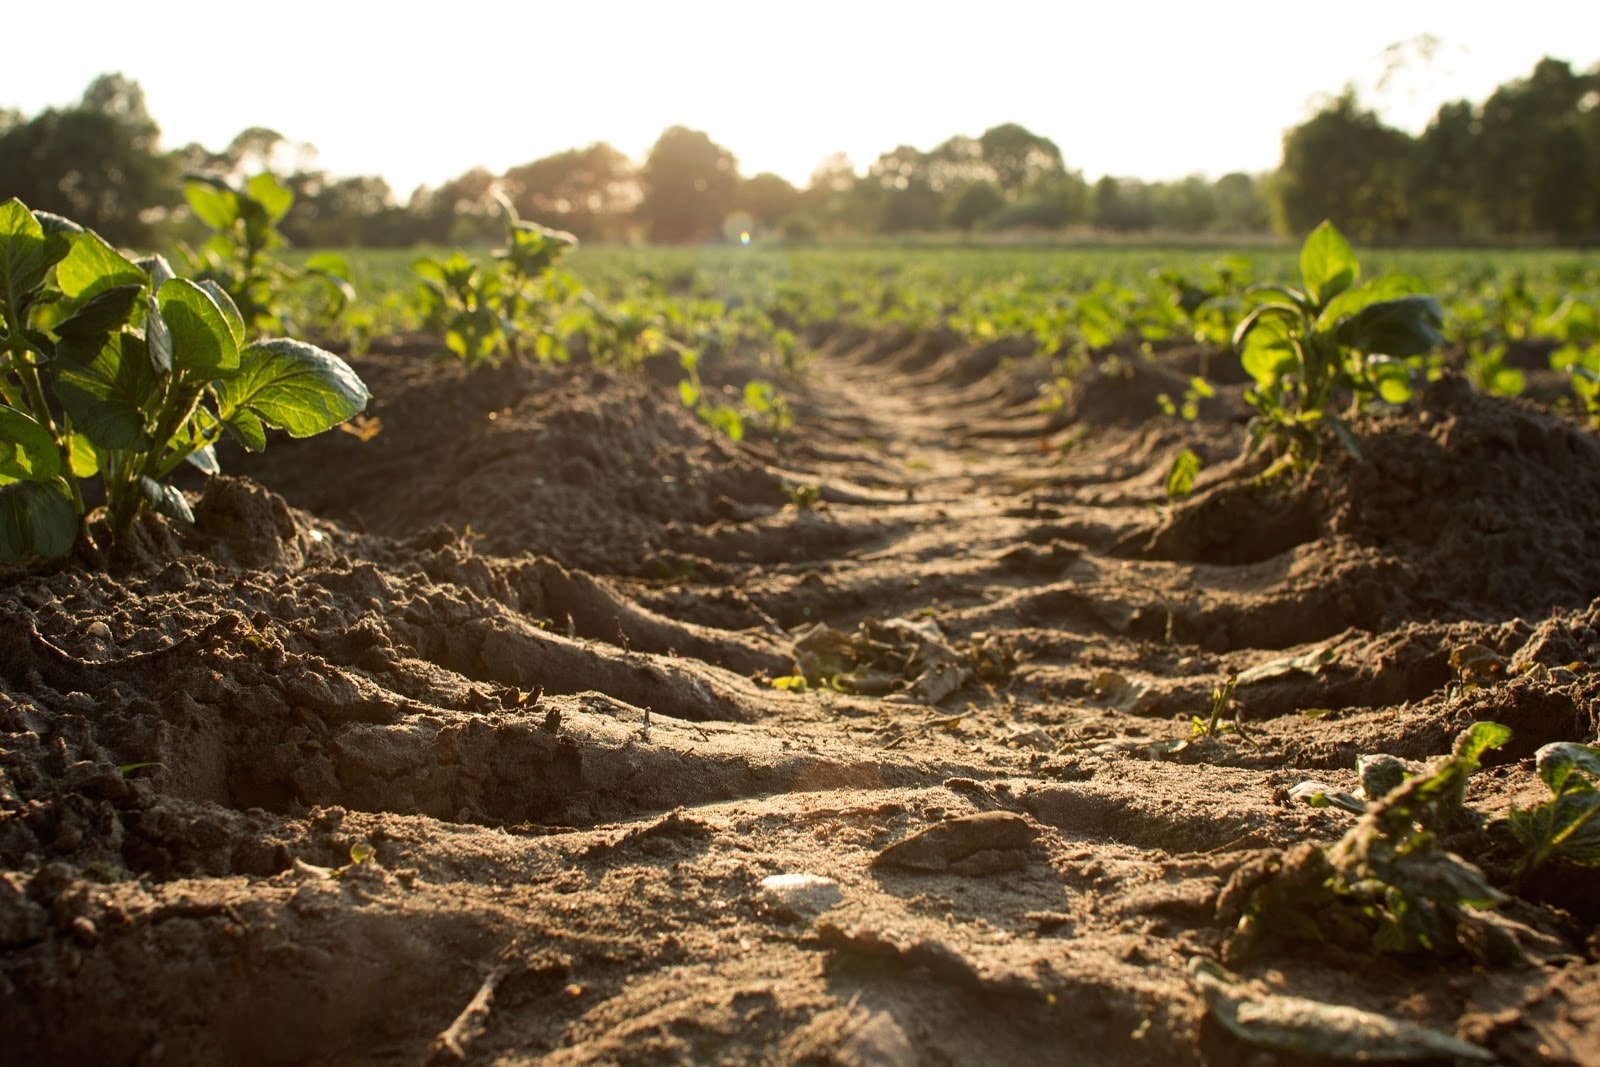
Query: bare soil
pixel 458 744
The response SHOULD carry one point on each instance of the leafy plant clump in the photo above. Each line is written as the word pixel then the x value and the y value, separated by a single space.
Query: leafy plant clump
pixel 488 312
pixel 115 372
pixel 1330 345
pixel 1387 884
pixel 239 253
pixel 1566 826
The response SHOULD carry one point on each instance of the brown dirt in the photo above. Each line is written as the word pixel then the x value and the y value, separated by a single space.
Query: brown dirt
pixel 515 651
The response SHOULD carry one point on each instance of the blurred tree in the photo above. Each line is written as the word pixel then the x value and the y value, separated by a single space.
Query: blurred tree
pixel 1123 205
pixel 1051 201
pixel 1242 205
pixel 974 205
pixel 98 163
pixel 1443 175
pixel 1018 156
pixel 902 196
pixel 835 200
pixel 1187 206
pixel 461 211
pixel 1344 165
pixel 1534 166
pixel 332 212
pixel 767 198
pixel 956 164
pixel 689 184
pixel 589 191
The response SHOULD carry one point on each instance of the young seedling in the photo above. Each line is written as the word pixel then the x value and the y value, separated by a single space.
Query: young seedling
pixel 1566 826
pixel 1330 344
pixel 488 313
pixel 239 253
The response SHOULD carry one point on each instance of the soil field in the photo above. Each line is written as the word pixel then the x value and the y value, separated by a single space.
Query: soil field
pixel 459 744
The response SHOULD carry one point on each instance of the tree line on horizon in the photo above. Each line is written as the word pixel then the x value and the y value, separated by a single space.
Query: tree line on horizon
pixel 1523 165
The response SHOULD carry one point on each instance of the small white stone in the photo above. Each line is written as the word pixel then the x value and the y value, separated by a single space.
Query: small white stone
pixel 799 897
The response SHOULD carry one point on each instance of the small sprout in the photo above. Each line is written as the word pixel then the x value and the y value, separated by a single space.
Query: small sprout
pixel 1221 698
pixel 805 497
pixel 128 768
pixel 1181 475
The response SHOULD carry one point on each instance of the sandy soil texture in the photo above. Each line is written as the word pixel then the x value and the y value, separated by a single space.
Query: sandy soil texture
pixel 459 744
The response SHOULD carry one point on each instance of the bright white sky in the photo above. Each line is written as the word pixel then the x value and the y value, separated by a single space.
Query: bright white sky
pixel 420 93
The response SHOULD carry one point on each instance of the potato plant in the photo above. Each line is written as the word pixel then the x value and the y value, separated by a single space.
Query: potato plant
pixel 1329 344
pixel 490 312
pixel 239 253
pixel 113 373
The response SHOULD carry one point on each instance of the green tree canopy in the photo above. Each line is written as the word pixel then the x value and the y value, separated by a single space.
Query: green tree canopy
pixel 1344 165
pixel 689 184
pixel 588 191
pixel 1018 156
pixel 98 163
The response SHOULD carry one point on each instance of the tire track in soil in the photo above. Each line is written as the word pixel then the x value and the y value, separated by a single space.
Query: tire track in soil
pixel 503 738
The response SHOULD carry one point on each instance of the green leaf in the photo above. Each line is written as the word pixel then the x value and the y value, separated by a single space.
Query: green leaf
pixel 202 337
pixel 157 338
pixel 205 459
pixel 1181 475
pixel 1327 265
pixel 230 310
pixel 36 518
pixel 1341 431
pixel 86 458
pixel 533 249
pixel 1575 825
pixel 102 314
pixel 1506 381
pixel 1559 761
pixel 1393 377
pixel 106 390
pixel 26 255
pixel 1265 343
pixel 27 451
pixel 212 202
pixel 1406 326
pixel 1478 738
pixel 274 197
pixel 159 270
pixel 292 385
pixel 93 266
pixel 165 499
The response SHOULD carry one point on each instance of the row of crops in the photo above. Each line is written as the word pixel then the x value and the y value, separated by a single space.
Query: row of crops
pixel 130 399
pixel 1492 316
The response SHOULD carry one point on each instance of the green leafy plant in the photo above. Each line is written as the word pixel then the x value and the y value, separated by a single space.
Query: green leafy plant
pixel 1181 475
pixel 491 312
pixel 1213 725
pixel 118 372
pixel 1566 826
pixel 1189 408
pixel 1329 345
pixel 1387 884
pixel 239 254
pixel 1576 324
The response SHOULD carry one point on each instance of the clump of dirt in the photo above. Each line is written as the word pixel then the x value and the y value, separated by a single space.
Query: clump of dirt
pixel 457 741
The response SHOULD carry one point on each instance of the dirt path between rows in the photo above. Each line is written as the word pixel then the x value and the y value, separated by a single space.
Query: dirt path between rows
pixel 460 744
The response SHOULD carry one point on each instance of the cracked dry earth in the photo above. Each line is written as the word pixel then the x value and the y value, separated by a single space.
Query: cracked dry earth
pixel 458 744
